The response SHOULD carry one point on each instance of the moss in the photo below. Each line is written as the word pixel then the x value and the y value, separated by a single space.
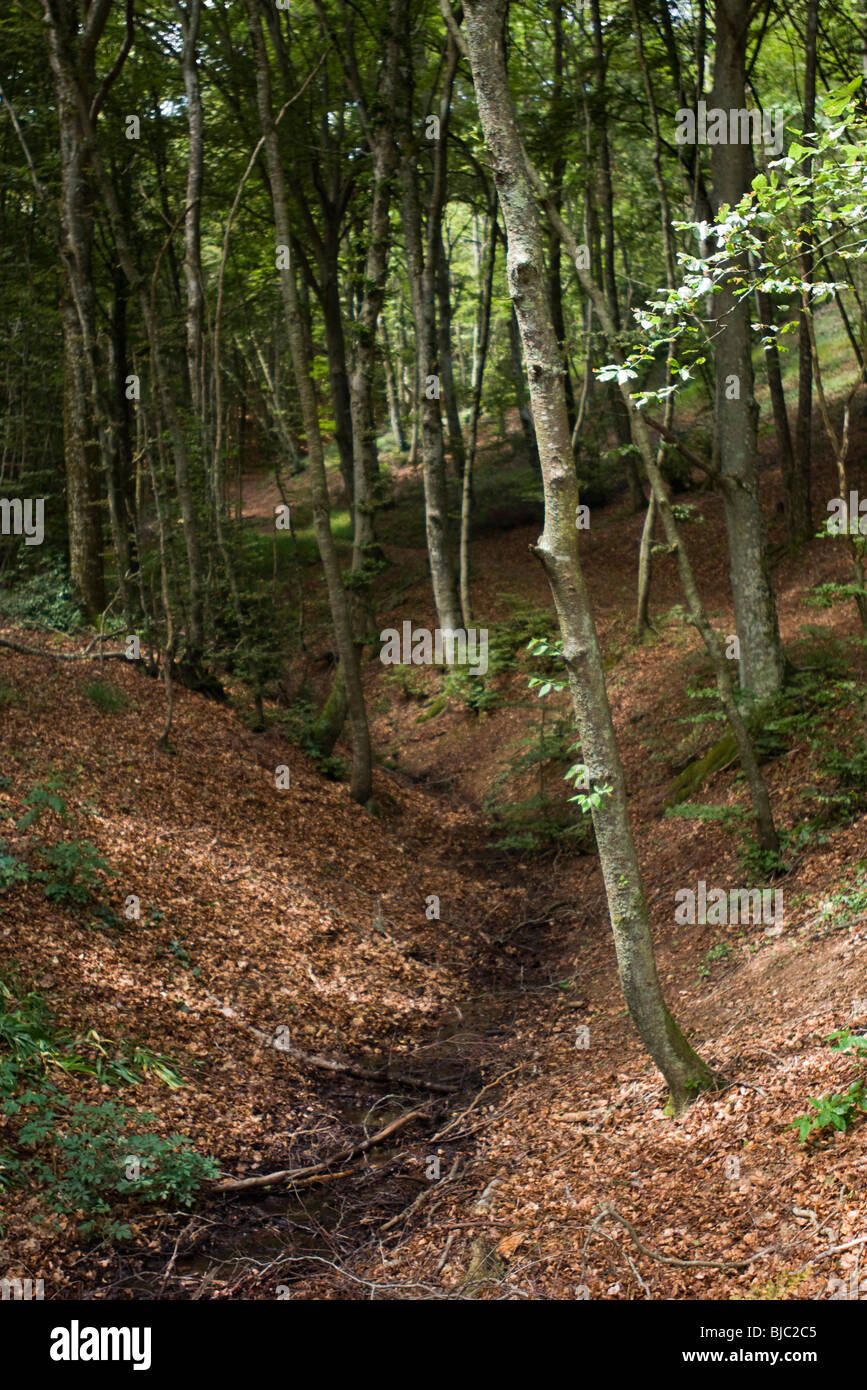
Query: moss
pixel 688 782
pixel 436 708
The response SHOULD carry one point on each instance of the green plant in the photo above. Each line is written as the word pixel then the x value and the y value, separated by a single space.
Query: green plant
pixel 42 797
pixel 720 951
pixel 105 1153
pixel 36 1045
pixel 44 599
pixel 80 1155
pixel 846 1041
pixel 12 870
pixel 832 1111
pixel 72 871
pixel 106 697
pixel 542 819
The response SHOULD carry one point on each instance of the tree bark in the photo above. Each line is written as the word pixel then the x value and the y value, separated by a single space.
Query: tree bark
pixel 360 786
pixel 800 505
pixel 681 1066
pixel 421 268
pixel 762 665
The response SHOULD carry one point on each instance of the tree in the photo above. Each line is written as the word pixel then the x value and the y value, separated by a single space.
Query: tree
pixel 762 665
pixel 340 614
pixel 683 1069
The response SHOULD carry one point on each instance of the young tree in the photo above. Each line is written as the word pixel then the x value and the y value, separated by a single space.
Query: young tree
pixel 681 1066
pixel 340 614
pixel 762 665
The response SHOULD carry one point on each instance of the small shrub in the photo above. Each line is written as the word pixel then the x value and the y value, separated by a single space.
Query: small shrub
pixel 72 871
pixel 105 1154
pixel 106 697
pixel 832 1111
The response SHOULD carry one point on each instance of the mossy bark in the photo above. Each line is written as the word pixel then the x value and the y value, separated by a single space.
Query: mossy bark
pixel 557 548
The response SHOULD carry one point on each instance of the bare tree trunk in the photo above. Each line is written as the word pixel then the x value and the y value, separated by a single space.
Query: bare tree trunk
pixel 190 20
pixel 363 357
pixel 681 1066
pixel 484 320
pixel 762 665
pixel 391 390
pixel 645 570
pixel 447 374
pixel 609 272
pixel 800 507
pixel 421 268
pixel 84 527
pixel 340 614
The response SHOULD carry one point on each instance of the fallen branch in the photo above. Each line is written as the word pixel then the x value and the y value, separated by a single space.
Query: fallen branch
pixel 311 1059
pixel 834 1250
pixel 423 1196
pixel 86 655
pixel 292 1174
pixel 683 1264
pixel 534 921
pixel 490 1086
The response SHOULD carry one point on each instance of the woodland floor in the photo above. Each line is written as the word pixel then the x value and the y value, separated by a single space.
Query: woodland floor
pixel 301 909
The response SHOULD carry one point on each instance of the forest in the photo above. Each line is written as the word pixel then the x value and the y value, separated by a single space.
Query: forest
pixel 433 641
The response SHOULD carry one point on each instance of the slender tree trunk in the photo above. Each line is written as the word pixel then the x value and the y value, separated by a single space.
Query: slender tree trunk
pixel 363 357
pixel 559 123
pixel 391 390
pixel 447 375
pixel 338 375
pixel 785 453
pixel 340 614
pixel 84 527
pixel 800 506
pixel 484 320
pixel 609 271
pixel 762 665
pixel 645 570
pixel 192 222
pixel 681 1066
pixel 421 268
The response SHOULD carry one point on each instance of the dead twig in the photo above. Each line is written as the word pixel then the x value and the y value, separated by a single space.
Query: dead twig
pixel 292 1174
pixel 490 1086
pixel 425 1193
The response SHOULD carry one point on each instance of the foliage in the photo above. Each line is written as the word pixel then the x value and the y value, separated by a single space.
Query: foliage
pixel 831 1112
pixel 72 869
pixel 105 1154
pixel 108 698
pixel 44 600
pixel 81 1152
pixel 540 820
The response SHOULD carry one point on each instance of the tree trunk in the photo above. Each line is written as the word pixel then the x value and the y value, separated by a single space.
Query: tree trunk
pixel 421 268
pixel 800 505
pixel 363 357
pixel 682 1068
pixel 762 665
pixel 391 391
pixel 340 615
pixel 84 527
